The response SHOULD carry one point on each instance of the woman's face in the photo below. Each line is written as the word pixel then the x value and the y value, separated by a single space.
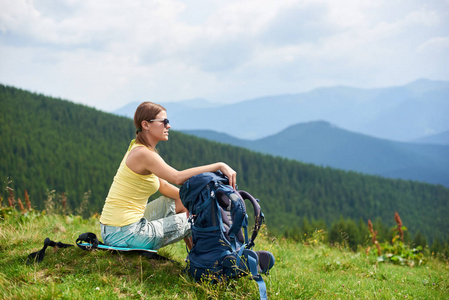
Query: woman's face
pixel 157 130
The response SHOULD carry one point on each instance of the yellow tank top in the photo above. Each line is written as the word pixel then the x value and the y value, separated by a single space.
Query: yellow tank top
pixel 128 195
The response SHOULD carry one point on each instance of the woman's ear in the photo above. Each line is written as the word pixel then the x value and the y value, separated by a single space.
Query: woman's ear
pixel 145 125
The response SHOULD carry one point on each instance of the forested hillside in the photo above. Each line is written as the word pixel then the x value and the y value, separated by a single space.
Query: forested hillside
pixel 53 144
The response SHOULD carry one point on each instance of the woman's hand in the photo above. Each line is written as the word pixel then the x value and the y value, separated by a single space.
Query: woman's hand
pixel 230 173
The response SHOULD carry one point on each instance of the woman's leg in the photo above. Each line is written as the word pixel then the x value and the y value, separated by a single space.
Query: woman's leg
pixel 163 207
pixel 160 226
pixel 159 233
pixel 160 208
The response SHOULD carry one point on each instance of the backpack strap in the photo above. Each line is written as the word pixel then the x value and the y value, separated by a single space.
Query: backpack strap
pixel 253 262
pixel 257 277
pixel 228 199
pixel 259 216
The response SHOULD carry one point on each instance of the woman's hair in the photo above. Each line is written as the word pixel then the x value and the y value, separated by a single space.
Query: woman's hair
pixel 144 112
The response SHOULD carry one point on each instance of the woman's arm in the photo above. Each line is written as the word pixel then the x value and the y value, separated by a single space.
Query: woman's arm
pixel 172 191
pixel 154 163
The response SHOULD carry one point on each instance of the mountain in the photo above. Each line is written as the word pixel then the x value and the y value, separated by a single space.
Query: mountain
pixel 441 138
pixel 57 150
pixel 401 113
pixel 324 144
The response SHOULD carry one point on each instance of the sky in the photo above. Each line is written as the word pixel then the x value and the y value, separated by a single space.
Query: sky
pixel 106 54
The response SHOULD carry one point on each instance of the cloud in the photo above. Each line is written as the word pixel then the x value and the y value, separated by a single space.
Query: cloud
pixel 107 53
pixel 299 24
pixel 437 45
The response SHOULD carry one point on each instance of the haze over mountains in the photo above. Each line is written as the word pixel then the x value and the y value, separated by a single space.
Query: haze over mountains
pixel 354 129
pixel 402 113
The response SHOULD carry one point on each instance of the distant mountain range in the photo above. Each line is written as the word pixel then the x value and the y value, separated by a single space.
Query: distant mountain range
pixel 402 113
pixel 324 144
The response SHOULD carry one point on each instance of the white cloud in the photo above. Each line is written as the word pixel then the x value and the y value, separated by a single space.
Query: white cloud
pixel 438 45
pixel 107 53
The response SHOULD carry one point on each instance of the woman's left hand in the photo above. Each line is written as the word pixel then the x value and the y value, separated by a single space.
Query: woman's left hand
pixel 230 173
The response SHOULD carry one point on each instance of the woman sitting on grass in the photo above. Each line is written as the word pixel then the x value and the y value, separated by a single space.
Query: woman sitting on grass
pixel 127 220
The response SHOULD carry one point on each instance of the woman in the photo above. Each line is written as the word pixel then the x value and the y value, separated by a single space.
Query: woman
pixel 127 220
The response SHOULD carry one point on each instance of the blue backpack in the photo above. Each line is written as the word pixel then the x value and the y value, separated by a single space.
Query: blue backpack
pixel 218 214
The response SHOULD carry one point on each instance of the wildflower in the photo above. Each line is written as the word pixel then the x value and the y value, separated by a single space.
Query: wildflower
pixel 371 230
pixel 27 200
pixel 22 209
pixel 399 228
pixel 63 198
pixel 11 200
pixel 374 236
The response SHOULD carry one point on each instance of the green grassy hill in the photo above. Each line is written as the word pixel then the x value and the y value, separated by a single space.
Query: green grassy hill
pixel 309 270
pixel 73 150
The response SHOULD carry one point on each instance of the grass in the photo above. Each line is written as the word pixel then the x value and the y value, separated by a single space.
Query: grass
pixel 302 271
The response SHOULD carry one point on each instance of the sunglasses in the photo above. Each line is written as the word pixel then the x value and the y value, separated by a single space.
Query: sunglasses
pixel 166 122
